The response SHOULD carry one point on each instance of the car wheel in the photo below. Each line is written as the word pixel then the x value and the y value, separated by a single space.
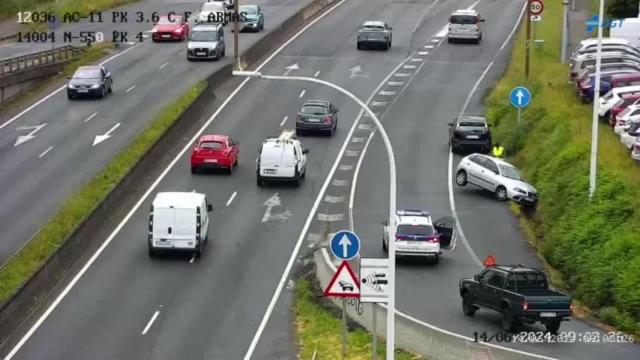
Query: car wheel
pixel 436 260
pixel 104 92
pixel 259 181
pixel 384 246
pixel 224 51
pixel 467 305
pixel 152 252
pixel 304 173
pixel 449 40
pixel 553 326
pixel 198 252
pixel 508 320
pixel 296 180
pixel 194 170
pixel 70 97
pixel 299 132
pixel 359 46
pixel 235 163
pixel 501 193
pixel 461 178
pixel 111 87
pixel 230 170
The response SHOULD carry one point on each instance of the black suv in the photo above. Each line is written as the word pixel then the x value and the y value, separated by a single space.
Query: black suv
pixel 317 115
pixel 470 131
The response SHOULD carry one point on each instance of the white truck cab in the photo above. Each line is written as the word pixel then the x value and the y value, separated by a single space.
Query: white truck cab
pixel 179 221
pixel 281 159
pixel 418 235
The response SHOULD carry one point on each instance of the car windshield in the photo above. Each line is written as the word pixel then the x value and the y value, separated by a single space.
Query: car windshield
pixel 315 110
pixel 608 95
pixel 213 145
pixel 510 172
pixel 634 127
pixel 175 19
pixel 415 230
pixel 463 19
pixel 372 28
pixel 87 74
pixel 248 9
pixel 210 35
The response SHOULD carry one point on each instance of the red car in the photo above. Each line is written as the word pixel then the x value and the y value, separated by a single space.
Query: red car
pixel 620 106
pixel 215 152
pixel 170 27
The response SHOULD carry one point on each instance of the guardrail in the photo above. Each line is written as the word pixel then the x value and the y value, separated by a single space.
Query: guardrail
pixel 38 59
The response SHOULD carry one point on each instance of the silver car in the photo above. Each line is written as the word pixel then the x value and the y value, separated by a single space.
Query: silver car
pixel 206 42
pixel 465 25
pixel 497 176
pixel 375 33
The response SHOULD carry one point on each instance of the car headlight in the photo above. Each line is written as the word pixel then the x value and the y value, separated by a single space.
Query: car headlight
pixel 178 30
pixel 71 86
pixel 95 86
pixel 516 189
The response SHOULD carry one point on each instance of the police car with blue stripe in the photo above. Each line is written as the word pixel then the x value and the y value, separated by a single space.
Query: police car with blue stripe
pixel 417 235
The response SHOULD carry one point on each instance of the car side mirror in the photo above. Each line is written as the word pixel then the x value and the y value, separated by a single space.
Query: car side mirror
pixel 209 208
pixel 305 151
pixel 450 124
pixel 390 28
pixel 108 75
pixel 481 20
pixel 476 278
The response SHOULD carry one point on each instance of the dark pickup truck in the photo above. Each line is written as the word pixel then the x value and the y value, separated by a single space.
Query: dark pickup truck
pixel 520 293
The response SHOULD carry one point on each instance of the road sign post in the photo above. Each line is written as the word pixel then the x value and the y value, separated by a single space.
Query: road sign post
pixel 344 328
pixel 374 334
pixel 535 8
pixel 520 98
pixel 343 284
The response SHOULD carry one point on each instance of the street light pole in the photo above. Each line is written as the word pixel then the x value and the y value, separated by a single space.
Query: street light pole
pixel 236 32
pixel 392 194
pixel 596 105
pixel 565 32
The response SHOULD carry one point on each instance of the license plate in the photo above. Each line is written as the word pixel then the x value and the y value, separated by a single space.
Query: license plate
pixel 473 137
pixel 166 36
pixel 211 160
pixel 269 171
pixel 314 120
pixel 83 91
pixel 548 314
pixel 416 243
pixel 201 54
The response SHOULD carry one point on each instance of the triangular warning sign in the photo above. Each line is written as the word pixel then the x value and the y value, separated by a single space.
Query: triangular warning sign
pixel 489 261
pixel 344 283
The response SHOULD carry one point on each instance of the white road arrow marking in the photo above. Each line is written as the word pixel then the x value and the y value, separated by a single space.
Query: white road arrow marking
pixel 519 95
pixel 270 204
pixel 101 138
pixel 24 138
pixel 356 71
pixel 290 68
pixel 345 243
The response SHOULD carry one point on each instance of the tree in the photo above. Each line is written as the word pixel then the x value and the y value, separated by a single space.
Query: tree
pixel 622 8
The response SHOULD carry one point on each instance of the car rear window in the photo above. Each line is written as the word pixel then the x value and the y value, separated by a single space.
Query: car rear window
pixel 211 145
pixel 415 230
pixel 463 19
pixel 315 109
pixel 471 123
pixel 373 28
pixel 528 280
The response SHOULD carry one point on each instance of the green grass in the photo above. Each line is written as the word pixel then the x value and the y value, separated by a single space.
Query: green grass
pixel 75 210
pixel 594 246
pixel 10 8
pixel 320 331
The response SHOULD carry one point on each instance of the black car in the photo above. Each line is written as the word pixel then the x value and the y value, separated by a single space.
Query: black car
pixel 470 132
pixel 89 81
pixel 317 115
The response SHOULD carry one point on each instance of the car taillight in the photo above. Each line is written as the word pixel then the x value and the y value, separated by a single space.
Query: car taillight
pixel 227 152
pixel 196 151
pixel 525 306
pixel 571 308
pixel 327 120
pixel 401 238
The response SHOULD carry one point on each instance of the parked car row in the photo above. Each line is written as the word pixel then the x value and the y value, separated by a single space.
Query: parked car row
pixel 619 95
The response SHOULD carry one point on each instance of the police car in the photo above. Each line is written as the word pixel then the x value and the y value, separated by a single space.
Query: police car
pixel 418 235
pixel 281 158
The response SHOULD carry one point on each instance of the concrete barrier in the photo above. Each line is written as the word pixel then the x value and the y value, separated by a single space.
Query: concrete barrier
pixel 88 235
pixel 415 335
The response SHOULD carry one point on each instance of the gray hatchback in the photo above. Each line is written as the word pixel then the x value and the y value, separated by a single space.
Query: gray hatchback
pixel 317 115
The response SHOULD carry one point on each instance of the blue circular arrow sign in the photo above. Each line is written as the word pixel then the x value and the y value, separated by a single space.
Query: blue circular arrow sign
pixel 345 245
pixel 520 97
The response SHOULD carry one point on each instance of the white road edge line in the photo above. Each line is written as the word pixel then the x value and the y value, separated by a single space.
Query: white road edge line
pixel 352 196
pixel 45 152
pixel 233 196
pixel 16 117
pixel 284 120
pixel 131 88
pixel 418 24
pixel 302 93
pixel 151 321
pixel 163 65
pixel 135 208
pixel 91 117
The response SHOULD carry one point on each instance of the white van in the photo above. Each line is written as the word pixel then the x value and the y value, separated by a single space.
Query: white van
pixel 282 159
pixel 608 101
pixel 628 29
pixel 179 221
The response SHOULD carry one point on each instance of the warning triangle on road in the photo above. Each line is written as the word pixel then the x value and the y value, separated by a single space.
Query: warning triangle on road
pixel 344 283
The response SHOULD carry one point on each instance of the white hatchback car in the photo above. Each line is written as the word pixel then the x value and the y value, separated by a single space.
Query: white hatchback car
pixel 418 235
pixel 497 176
pixel 628 137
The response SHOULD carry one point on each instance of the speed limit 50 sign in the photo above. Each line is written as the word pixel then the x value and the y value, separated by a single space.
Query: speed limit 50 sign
pixel 536 7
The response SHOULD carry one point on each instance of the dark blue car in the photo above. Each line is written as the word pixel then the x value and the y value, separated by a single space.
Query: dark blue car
pixel 586 87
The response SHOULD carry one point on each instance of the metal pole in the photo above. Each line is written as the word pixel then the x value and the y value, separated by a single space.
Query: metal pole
pixel 236 32
pixel 565 32
pixel 596 106
pixel 374 339
pixel 344 328
pixel 391 303
pixel 573 5
pixel 528 43
pixel 519 115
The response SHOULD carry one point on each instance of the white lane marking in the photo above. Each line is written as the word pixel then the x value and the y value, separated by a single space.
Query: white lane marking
pixel 378 103
pixel 387 93
pixel 45 152
pixel 417 59
pixel 233 196
pixel 163 65
pixel 330 217
pixel 91 117
pixel 333 199
pixel 514 28
pixel 151 321
pixel 423 53
pixel 316 74
pixel 283 121
pixel 363 126
pixel 31 135
pixel 338 182
pixel 302 93
pixel 435 40
pixel 419 22
pixel 193 258
pixel 131 88
pixel 155 184
pixel 100 138
pixel 402 74
pixel 428 46
pixel 352 153
pixel 355 179
pixel 395 83
pixel 410 66
pixel 131 43
pixel 16 117
pixel 356 139
pixel 345 167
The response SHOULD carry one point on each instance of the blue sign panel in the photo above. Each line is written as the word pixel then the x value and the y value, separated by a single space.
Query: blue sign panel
pixel 520 97
pixel 345 245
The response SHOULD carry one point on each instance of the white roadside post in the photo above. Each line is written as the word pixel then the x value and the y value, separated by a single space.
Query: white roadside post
pixel 392 194
pixel 596 107
pixel 565 31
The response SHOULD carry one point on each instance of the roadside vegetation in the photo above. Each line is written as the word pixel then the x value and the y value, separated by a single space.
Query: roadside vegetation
pixel 594 246
pixel 9 8
pixel 320 331
pixel 80 205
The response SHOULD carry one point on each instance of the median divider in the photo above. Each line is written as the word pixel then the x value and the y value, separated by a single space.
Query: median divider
pixel 58 265
pixel 416 335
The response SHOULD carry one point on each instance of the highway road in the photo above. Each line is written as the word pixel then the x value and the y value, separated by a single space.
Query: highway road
pixel 128 306
pixel 146 76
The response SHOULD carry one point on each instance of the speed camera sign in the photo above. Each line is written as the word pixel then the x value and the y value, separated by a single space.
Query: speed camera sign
pixel 535 7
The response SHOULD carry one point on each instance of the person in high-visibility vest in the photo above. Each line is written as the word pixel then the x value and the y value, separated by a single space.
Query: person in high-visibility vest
pixel 498 150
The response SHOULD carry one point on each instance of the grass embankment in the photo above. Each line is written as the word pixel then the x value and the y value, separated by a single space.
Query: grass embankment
pixel 9 8
pixel 75 210
pixel 320 331
pixel 595 246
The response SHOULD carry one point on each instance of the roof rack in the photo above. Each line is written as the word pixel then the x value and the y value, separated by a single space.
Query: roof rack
pixel 412 213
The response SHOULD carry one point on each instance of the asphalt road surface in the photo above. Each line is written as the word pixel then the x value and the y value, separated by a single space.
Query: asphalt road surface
pixel 37 175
